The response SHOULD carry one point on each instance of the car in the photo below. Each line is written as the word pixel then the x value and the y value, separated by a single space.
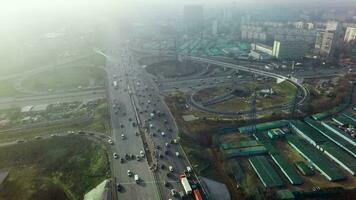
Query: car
pixel 138 158
pixel 163 134
pixel 166 152
pixel 177 154
pixel 110 141
pixel 174 192
pixel 129 173
pixel 163 166
pixel 142 153
pixel 121 160
pixel 115 155
pixel 119 187
pixel 171 169
pixel 189 169
pixel 121 126
pixel 166 183
pixel 137 179
pixel 38 137
pixel 122 136
pixel 166 144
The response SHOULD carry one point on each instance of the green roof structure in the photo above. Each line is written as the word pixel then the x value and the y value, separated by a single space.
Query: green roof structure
pixel 265 172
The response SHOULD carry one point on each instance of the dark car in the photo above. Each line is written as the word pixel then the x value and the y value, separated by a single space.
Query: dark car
pixel 119 187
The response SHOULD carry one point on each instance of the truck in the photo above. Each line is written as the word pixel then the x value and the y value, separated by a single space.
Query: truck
pixel 184 181
pixel 197 195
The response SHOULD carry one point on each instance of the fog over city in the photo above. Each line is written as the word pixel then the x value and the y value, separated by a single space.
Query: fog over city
pixel 177 99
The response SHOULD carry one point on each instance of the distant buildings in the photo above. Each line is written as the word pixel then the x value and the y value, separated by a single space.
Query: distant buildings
pixel 253 33
pixel 326 40
pixel 350 34
pixel 193 18
pixel 214 28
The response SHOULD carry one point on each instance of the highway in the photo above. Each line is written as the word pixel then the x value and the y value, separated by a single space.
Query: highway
pixel 139 113
pixel 122 117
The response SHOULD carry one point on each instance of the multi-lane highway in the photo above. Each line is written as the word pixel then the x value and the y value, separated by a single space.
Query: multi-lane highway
pixel 141 122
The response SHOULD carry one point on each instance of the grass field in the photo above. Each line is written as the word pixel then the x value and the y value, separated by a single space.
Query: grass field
pixel 7 89
pixel 285 92
pixel 60 168
pixel 66 78
pixel 100 123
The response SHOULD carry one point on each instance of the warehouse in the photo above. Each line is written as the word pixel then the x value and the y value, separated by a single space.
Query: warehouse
pixel 308 133
pixel 340 141
pixel 264 126
pixel 343 121
pixel 248 151
pixel 317 159
pixel 304 169
pixel 287 169
pixel 275 133
pixel 265 172
pixel 339 132
pixel 350 116
pixel 343 159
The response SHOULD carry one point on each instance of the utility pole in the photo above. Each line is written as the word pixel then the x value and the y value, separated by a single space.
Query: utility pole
pixel 253 112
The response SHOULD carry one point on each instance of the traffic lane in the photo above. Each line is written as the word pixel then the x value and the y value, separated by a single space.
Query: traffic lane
pixel 121 171
pixel 170 160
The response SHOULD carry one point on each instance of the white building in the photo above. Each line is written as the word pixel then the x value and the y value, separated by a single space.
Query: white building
pixel 350 34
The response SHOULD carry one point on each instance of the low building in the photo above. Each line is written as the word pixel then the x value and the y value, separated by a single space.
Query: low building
pixel 262 48
pixel 26 109
pixel 258 55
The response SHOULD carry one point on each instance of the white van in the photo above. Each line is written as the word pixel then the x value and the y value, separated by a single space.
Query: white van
pixel 137 179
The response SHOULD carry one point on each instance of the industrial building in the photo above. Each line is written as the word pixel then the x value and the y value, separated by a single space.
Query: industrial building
pixel 265 172
pixel 328 169
pixel 287 169
pixel 340 133
pixel 290 49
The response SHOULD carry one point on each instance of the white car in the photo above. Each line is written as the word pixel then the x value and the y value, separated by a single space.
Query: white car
pixel 177 154
pixel 110 141
pixel 189 169
pixel 137 179
pixel 142 153
pixel 115 155
pixel 122 136
pixel 163 134
pixel 166 144
pixel 171 169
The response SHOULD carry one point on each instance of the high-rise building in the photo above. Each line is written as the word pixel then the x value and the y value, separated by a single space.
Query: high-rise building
pixel 325 43
pixel 290 49
pixel 350 34
pixel 193 18
pixel 214 27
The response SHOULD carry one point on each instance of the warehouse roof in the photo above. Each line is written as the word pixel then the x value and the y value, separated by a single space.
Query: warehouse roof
pixel 265 171
pixel 337 139
pixel 308 132
pixel 318 160
pixel 287 169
